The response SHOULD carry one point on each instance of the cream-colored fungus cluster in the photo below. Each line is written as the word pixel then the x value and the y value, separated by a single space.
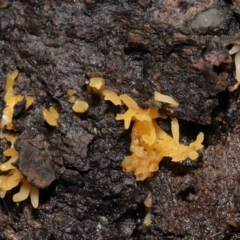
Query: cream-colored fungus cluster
pixel 11 99
pixel 11 176
pixel 150 144
pixel 96 85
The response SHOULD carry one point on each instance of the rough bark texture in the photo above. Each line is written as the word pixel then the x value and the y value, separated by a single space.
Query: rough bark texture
pixel 138 46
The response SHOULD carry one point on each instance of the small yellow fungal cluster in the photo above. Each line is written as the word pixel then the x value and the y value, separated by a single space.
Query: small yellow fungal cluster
pixel 150 144
pixel 12 176
pixel 51 116
pixel 236 50
pixel 72 98
pixel 78 105
pixel 148 205
pixel 97 86
pixel 11 100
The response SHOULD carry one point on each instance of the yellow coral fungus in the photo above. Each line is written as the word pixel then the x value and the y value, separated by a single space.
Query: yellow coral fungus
pixel 80 106
pixel 72 99
pixel 150 144
pixel 51 116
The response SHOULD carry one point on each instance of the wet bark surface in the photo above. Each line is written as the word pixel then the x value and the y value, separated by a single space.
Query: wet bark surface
pixel 138 47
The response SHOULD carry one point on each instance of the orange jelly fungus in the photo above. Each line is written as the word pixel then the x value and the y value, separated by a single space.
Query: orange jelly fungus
pixel 51 116
pixel 150 144
pixel 11 100
pixel 13 177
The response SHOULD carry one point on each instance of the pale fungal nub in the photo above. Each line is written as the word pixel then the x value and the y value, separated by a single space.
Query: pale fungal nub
pixel 34 196
pixel 237 65
pixel 148 200
pixel 147 220
pixel 211 18
pixel 70 92
pixel 236 50
pixel 72 99
pixel 175 129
